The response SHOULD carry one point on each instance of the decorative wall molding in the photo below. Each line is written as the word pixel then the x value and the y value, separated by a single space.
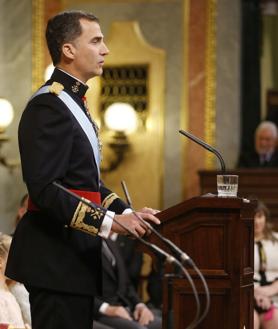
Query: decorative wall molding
pixel 37 43
pixel 210 92
pixel 69 3
pixel 42 10
pixel 200 88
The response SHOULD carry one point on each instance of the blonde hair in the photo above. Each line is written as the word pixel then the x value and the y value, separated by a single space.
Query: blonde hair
pixel 5 242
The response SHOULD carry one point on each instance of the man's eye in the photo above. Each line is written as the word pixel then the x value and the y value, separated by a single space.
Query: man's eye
pixel 97 40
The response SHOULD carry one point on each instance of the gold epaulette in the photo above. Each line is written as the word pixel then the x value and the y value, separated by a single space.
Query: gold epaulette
pixel 56 88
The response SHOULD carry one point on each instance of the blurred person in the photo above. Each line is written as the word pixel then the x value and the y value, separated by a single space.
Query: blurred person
pixel 10 312
pixel 98 325
pixel 265 312
pixel 132 257
pixel 120 306
pixel 265 269
pixel 265 153
pixel 266 253
pixel 154 285
pixel 22 297
pixel 17 288
pixel 56 249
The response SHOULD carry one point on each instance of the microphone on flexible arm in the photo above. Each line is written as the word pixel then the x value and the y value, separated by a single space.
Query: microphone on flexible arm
pixel 206 146
pixel 155 249
pixel 180 254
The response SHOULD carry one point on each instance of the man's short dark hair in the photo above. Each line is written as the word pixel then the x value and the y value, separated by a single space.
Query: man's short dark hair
pixel 62 28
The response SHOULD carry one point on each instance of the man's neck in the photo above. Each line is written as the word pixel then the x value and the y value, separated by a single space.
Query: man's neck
pixel 266 156
pixel 70 74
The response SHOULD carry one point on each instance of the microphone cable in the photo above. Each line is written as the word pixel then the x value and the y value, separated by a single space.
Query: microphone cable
pixel 184 258
pixel 155 249
pixel 207 293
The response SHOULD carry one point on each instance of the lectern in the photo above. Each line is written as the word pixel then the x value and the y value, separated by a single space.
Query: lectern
pixel 217 233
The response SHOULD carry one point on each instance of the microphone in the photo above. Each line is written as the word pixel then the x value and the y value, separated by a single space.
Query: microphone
pixel 181 255
pixel 127 196
pixel 206 146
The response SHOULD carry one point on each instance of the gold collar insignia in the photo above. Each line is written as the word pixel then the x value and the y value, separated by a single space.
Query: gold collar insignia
pixel 75 87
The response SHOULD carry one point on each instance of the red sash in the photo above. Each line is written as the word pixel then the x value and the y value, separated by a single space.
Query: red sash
pixel 94 197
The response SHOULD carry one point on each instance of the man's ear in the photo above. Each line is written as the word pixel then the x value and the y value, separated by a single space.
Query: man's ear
pixel 68 50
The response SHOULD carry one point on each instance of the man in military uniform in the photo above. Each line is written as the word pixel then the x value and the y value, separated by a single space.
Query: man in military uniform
pixel 56 249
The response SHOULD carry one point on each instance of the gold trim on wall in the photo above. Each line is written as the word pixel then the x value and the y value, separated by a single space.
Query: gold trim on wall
pixel 210 92
pixel 184 115
pixel 185 84
pixel 69 3
pixel 37 43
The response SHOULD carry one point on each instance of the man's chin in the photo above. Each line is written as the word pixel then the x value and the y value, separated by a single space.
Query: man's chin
pixel 95 73
pixel 262 152
pixel 98 72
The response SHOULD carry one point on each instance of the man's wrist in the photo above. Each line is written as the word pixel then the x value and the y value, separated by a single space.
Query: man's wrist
pixel 127 211
pixel 103 308
pixel 140 305
pixel 106 225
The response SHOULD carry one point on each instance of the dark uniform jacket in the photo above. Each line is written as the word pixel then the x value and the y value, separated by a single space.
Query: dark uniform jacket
pixel 252 160
pixel 56 246
pixel 117 288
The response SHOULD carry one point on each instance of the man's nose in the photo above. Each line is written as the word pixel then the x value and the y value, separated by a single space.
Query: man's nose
pixel 104 49
pixel 264 141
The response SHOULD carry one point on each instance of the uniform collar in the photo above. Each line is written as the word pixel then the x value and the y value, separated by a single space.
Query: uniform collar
pixel 70 83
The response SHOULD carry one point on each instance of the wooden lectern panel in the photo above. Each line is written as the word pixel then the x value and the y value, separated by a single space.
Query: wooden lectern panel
pixel 217 233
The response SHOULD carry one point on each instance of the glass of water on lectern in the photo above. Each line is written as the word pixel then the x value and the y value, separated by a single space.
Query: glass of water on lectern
pixel 227 185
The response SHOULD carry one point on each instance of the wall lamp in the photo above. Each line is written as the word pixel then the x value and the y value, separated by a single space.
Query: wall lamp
pixel 6 117
pixel 120 119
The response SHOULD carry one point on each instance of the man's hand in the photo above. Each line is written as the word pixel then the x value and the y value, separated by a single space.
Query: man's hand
pixel 149 210
pixel 118 311
pixel 133 223
pixel 143 314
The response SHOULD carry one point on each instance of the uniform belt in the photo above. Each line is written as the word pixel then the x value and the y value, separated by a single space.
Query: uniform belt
pixel 94 197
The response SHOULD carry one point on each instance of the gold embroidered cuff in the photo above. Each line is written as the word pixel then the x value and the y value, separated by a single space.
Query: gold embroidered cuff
pixel 109 200
pixel 87 219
